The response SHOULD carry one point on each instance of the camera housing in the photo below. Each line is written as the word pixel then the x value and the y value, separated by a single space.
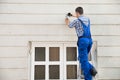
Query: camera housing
pixel 69 14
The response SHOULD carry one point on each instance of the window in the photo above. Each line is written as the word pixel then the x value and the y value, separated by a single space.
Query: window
pixel 56 61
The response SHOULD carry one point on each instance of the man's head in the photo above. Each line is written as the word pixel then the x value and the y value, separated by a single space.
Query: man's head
pixel 79 11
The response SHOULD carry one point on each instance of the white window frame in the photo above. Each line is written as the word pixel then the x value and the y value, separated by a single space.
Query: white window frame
pixel 62 66
pixel 46 62
pixel 70 62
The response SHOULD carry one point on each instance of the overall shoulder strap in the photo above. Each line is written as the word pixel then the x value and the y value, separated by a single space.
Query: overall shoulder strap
pixel 86 28
pixel 84 23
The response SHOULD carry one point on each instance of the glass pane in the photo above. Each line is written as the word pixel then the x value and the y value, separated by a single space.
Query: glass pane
pixel 39 53
pixel 54 53
pixel 71 71
pixel 40 72
pixel 54 72
pixel 71 54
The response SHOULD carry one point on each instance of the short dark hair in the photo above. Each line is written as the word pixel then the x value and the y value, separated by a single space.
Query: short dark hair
pixel 79 10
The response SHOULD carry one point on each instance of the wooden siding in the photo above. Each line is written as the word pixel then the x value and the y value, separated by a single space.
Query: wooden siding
pixel 22 21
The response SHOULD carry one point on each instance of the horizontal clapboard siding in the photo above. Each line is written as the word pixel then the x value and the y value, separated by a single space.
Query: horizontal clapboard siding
pixel 13 74
pixel 57 9
pixel 61 1
pixel 109 73
pixel 106 52
pixel 109 41
pixel 108 62
pixel 14 63
pixel 53 19
pixel 22 21
pixel 40 30
pixel 13 52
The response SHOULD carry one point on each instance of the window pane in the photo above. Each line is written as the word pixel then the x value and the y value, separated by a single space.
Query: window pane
pixel 71 71
pixel 54 72
pixel 71 54
pixel 54 53
pixel 40 72
pixel 39 53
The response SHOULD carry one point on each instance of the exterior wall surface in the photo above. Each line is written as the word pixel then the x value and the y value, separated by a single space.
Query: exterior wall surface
pixel 22 21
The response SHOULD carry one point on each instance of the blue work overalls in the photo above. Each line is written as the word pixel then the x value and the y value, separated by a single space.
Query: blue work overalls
pixel 84 45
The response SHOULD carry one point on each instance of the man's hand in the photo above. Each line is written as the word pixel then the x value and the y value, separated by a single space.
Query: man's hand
pixel 67 21
pixel 73 15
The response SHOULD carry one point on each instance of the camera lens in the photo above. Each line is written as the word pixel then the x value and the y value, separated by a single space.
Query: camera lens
pixel 69 14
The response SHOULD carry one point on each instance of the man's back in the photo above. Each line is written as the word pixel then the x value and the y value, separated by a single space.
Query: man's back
pixel 78 25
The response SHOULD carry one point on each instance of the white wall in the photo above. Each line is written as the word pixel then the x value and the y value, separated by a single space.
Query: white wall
pixel 22 21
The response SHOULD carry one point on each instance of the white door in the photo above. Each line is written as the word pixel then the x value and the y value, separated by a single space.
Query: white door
pixel 54 61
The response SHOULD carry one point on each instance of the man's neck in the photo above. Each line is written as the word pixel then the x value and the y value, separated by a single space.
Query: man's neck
pixel 80 15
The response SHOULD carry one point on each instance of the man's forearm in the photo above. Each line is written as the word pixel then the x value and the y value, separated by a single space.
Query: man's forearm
pixel 67 21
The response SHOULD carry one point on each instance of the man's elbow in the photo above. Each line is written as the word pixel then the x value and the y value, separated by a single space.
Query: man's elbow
pixel 70 26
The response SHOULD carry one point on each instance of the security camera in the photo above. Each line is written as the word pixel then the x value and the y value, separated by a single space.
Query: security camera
pixel 68 15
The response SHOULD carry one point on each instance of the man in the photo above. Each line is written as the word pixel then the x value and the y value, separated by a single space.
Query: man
pixel 82 27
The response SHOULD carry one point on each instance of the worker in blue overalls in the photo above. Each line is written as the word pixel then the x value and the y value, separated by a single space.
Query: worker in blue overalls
pixel 82 27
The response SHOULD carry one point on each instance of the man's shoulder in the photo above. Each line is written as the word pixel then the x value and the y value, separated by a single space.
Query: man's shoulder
pixel 84 17
pixel 76 20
